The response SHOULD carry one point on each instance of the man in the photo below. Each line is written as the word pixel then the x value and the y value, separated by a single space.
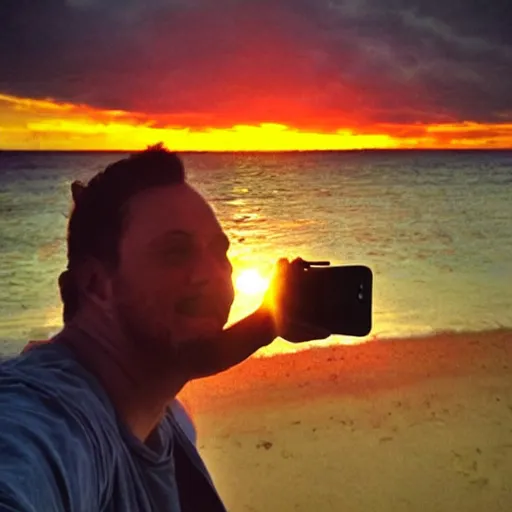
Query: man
pixel 87 420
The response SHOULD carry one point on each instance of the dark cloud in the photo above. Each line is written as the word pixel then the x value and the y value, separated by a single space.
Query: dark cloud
pixel 314 63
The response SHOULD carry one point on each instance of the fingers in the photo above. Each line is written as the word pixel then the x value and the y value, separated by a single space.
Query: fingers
pixel 279 276
pixel 291 329
pixel 282 262
pixel 279 300
pixel 280 287
pixel 282 270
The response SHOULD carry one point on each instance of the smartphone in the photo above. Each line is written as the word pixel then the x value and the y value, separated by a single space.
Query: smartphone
pixel 337 298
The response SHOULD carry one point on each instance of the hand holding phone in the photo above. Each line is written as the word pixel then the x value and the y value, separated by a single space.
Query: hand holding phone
pixel 322 299
pixel 286 326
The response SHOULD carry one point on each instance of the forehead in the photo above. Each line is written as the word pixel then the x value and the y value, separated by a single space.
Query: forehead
pixel 172 208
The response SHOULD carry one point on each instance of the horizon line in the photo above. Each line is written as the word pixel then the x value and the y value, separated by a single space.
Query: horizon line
pixel 227 151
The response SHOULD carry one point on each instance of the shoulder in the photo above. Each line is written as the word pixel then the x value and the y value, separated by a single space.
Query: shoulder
pixel 47 386
pixel 184 420
pixel 52 437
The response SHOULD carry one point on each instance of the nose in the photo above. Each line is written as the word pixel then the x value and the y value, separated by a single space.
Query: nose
pixel 208 268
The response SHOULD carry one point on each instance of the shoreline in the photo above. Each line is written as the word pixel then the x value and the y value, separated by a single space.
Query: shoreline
pixel 360 369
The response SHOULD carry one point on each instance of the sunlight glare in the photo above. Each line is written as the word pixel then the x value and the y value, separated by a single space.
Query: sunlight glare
pixel 251 282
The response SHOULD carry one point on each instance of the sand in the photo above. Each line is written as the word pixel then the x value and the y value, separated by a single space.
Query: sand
pixel 403 425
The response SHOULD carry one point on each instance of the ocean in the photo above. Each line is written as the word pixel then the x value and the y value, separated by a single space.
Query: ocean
pixel 434 226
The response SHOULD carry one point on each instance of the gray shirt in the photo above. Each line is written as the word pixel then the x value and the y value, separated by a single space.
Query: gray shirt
pixel 63 448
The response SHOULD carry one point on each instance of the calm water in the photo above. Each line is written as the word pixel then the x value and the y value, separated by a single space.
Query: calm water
pixel 434 226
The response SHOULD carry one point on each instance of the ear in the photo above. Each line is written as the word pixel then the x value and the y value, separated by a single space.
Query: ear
pixel 77 189
pixel 95 283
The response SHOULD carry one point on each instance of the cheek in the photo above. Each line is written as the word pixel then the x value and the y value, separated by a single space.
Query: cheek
pixel 231 286
pixel 227 286
pixel 225 276
pixel 150 288
pixel 166 288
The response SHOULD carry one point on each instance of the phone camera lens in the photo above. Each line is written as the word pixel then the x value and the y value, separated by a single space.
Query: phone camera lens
pixel 360 295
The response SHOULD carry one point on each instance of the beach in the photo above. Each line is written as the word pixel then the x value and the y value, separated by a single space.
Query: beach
pixel 420 424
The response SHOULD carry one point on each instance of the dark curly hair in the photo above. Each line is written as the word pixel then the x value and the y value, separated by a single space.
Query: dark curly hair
pixel 99 212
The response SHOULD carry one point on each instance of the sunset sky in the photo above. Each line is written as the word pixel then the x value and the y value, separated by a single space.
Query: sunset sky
pixel 255 74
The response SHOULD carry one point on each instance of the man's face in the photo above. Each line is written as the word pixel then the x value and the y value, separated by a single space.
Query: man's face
pixel 174 282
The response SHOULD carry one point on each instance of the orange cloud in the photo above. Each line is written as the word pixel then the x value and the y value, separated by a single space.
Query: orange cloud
pixel 48 125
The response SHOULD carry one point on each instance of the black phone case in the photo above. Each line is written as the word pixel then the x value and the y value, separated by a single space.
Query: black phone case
pixel 335 298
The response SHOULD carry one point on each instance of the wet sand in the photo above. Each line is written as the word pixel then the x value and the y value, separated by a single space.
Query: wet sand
pixel 399 425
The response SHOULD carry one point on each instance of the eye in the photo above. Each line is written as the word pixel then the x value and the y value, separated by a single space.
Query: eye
pixel 178 252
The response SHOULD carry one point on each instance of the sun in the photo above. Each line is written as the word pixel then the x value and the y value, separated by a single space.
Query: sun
pixel 251 282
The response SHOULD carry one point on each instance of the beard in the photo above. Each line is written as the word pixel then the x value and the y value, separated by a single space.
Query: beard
pixel 145 326
pixel 166 332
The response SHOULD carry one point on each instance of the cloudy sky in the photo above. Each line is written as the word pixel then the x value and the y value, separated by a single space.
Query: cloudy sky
pixel 386 73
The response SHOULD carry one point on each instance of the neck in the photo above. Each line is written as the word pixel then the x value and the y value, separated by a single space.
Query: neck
pixel 139 387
